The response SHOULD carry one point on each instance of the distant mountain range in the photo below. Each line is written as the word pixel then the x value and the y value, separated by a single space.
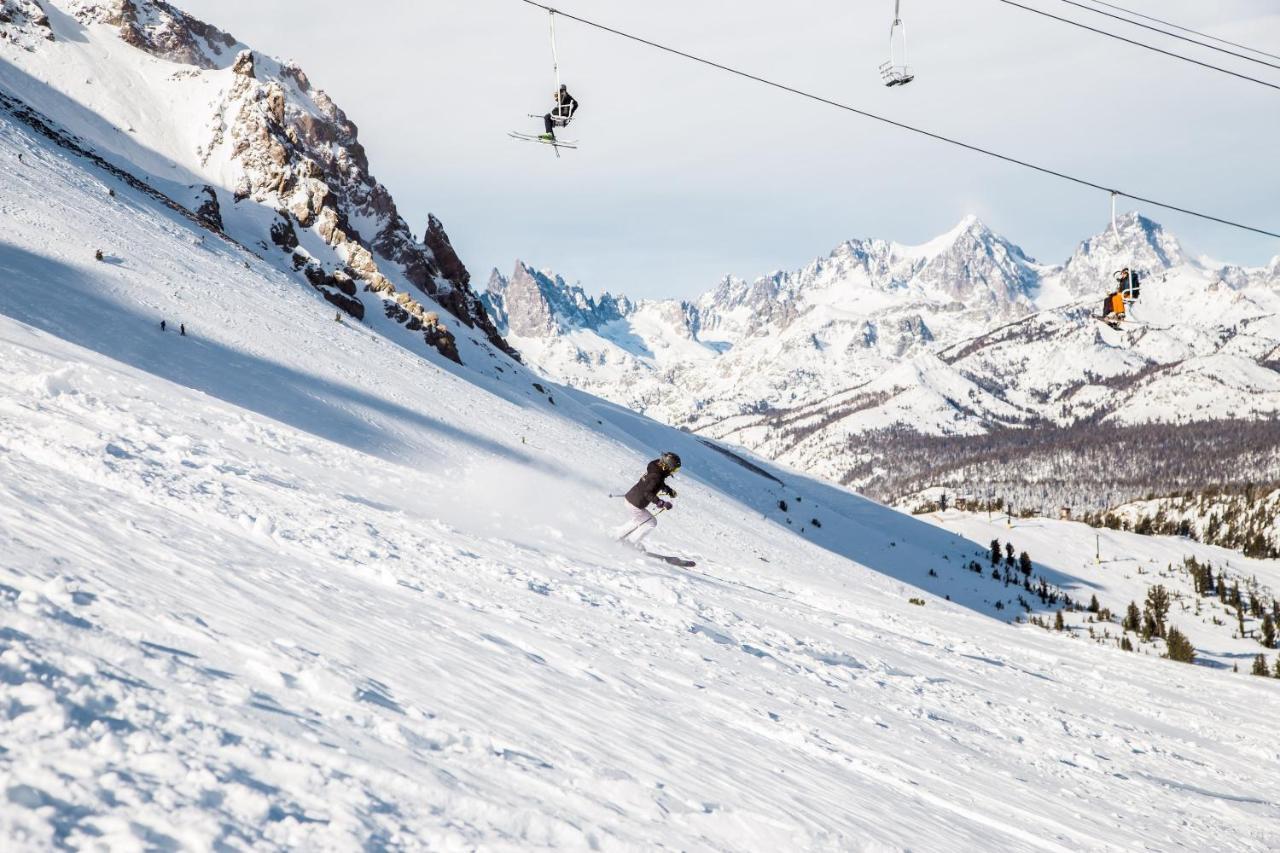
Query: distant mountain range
pixel 962 336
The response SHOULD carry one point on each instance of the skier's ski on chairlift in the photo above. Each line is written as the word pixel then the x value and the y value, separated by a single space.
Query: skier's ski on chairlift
pixel 541 138
pixel 893 72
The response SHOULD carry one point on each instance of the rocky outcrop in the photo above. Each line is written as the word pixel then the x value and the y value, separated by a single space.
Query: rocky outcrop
pixel 299 152
pixel 532 304
pixel 207 208
pixel 161 30
pixel 465 302
pixel 285 145
pixel 24 22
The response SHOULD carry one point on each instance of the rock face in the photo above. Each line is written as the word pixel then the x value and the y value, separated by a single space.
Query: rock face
pixel 159 29
pixel 24 23
pixel 534 304
pixel 276 142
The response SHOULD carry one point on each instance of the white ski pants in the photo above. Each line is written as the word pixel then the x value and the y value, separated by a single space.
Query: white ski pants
pixel 640 525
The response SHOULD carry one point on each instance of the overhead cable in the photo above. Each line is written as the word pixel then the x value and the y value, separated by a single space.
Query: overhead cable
pixel 898 124
pixel 1141 44
pixel 1185 29
pixel 1171 35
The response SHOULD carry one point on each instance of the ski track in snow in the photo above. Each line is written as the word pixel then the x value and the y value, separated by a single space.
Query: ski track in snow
pixel 285 585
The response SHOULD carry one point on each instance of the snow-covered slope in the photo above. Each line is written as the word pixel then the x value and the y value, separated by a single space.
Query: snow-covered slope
pixel 244 141
pixel 281 583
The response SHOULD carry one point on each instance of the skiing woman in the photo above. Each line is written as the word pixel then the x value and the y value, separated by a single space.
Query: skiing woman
pixel 647 491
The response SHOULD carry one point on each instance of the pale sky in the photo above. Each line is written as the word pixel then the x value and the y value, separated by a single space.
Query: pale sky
pixel 685 173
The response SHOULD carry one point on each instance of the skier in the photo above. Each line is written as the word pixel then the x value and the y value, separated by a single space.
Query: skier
pixel 647 491
pixel 560 114
pixel 182 329
pixel 162 325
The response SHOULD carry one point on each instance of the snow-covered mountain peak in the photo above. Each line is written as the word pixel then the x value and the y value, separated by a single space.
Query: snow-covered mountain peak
pixel 538 303
pixel 1141 244
pixel 969 229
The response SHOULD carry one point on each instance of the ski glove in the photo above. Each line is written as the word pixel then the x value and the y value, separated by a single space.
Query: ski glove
pixel 670 491
pixel 666 504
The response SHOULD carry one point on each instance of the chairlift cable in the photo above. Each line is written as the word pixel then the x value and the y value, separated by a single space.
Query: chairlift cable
pixel 1170 35
pixel 1141 44
pixel 1185 29
pixel 902 125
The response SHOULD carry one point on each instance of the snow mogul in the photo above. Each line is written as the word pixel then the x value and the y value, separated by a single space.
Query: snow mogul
pixel 649 490
pixel 561 113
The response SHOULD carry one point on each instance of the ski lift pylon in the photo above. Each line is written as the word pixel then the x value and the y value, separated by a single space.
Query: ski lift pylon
pixel 893 72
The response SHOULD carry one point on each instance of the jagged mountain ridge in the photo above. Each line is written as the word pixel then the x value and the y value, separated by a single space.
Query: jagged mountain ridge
pixel 248 144
pixel 963 335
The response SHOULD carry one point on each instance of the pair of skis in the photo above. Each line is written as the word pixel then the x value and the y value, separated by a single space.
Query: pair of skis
pixel 572 145
pixel 675 561
pixel 543 139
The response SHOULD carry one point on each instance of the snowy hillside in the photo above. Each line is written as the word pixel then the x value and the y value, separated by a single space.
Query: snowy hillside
pixel 286 583
pixel 246 143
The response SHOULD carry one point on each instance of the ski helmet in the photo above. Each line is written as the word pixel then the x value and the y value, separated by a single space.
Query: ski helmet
pixel 669 460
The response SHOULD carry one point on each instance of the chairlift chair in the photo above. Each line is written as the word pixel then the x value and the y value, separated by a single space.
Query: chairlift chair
pixel 560 114
pixel 893 72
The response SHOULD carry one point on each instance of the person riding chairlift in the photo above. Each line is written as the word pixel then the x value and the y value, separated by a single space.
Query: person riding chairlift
pixel 560 114
pixel 1113 308
pixel 1127 283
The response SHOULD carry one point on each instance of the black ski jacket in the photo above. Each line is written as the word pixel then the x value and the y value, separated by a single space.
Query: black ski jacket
pixel 653 483
pixel 565 106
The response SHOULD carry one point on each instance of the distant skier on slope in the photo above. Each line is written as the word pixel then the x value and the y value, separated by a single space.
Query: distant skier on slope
pixel 560 114
pixel 648 491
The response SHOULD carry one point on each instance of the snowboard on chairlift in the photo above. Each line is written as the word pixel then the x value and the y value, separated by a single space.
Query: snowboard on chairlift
pixel 571 144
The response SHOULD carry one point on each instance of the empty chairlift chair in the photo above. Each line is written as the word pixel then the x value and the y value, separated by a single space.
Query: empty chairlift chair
pixel 895 72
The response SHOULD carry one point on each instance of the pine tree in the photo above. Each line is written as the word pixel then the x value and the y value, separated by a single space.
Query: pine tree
pixel 1179 647
pixel 1158 605
pixel 1024 562
pixel 1058 623
pixel 1094 607
pixel 1260 666
pixel 1127 646
pixel 1268 631
pixel 1132 618
pixel 1008 550
pixel 995 551
pixel 1277 672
